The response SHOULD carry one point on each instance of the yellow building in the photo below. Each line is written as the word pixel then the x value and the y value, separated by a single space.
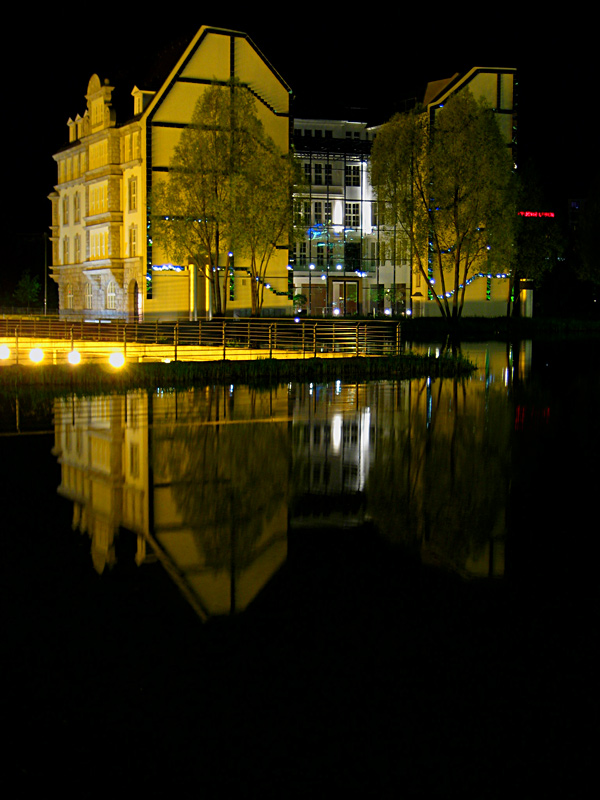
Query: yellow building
pixel 103 260
pixel 486 293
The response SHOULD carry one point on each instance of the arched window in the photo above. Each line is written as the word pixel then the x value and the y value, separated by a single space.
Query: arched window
pixel 89 296
pixel 111 295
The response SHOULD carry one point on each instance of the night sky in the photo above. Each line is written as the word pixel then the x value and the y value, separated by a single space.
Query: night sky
pixel 360 65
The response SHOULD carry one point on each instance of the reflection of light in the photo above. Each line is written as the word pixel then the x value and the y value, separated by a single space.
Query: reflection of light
pixel 336 312
pixel 338 266
pixel 36 355
pixel 388 312
pixel 336 432
pixel 74 357
pixel 116 360
pixel 4 351
pixel 338 387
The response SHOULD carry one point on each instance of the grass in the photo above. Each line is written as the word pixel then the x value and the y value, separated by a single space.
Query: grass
pixel 264 372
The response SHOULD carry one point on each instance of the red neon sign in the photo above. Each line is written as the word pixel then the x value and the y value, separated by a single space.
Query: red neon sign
pixel 536 213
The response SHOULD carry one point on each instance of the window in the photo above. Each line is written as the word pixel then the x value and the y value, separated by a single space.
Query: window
pixel 69 295
pixel 302 254
pixel 76 208
pixel 133 194
pixel 327 212
pixel 328 174
pixel 111 296
pixel 65 210
pixel 352 175
pixel 133 241
pixel 307 174
pixel 66 250
pixel 318 213
pixel 353 215
pixel 89 296
pixel 77 250
pixel 318 174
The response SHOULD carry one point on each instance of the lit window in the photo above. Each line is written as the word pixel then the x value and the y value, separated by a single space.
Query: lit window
pixel 69 295
pixel 111 296
pixel 89 296
pixel 133 194
pixel 133 241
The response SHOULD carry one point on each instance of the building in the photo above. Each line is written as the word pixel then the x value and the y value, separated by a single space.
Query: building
pixel 345 261
pixel 486 293
pixel 104 259
pixel 341 264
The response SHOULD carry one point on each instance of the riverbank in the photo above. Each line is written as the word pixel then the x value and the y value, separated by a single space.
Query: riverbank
pixel 505 329
pixel 264 372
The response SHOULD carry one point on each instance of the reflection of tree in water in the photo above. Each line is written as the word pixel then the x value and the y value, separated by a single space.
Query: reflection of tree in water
pixel 229 480
pixel 439 483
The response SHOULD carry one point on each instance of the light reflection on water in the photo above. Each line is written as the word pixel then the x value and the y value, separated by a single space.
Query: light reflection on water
pixel 413 559
pixel 211 480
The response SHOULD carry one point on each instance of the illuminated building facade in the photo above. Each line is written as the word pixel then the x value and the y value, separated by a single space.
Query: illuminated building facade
pixel 343 264
pixel 103 258
pixel 486 293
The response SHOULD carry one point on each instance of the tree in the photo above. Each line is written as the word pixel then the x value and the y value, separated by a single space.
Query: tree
pixel 228 192
pixel 28 290
pixel 540 240
pixel 449 188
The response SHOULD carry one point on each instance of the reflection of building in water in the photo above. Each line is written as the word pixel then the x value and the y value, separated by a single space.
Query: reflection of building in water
pixel 334 447
pixel 101 448
pixel 202 491
pixel 440 481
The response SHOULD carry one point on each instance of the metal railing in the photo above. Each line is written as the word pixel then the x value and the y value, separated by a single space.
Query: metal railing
pixel 223 338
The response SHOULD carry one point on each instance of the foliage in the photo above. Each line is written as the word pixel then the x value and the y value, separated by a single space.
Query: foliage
pixel 588 261
pixel 540 240
pixel 450 190
pixel 28 290
pixel 299 300
pixel 228 192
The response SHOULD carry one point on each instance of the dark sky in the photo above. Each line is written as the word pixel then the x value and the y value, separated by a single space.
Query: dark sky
pixel 367 61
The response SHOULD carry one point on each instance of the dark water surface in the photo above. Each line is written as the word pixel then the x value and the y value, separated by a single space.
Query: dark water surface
pixel 388 588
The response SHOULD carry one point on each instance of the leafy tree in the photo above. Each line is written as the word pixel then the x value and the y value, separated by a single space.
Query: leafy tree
pixel 28 290
pixel 228 191
pixel 540 240
pixel 450 190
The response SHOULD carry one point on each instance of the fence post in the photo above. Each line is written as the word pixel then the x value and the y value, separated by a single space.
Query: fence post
pixel 398 338
pixel 199 333
pixel 357 337
pixel 315 340
pixel 124 341
pixel 271 340
pixel 303 332
pixel 224 341
pixel 16 345
pixel 176 338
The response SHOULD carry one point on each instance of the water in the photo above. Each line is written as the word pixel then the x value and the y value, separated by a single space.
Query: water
pixel 384 586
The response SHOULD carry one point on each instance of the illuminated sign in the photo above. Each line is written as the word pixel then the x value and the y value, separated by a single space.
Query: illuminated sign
pixel 536 213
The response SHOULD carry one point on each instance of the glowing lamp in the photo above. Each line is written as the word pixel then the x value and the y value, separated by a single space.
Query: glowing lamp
pixel 116 360
pixel 74 357
pixel 36 354
pixel 4 352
